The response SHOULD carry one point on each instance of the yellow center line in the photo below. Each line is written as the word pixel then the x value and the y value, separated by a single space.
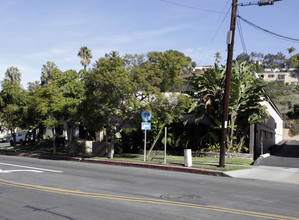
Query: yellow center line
pixel 145 200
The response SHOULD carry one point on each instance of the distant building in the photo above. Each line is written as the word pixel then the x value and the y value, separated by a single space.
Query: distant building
pixel 283 77
pixel 203 67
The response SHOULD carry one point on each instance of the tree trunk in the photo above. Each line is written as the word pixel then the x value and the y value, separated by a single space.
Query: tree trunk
pixel 14 137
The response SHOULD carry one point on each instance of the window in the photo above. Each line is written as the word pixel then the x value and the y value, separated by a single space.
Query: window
pixel 281 76
pixel 271 76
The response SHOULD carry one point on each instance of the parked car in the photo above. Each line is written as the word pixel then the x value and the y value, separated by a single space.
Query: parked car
pixel 5 138
pixel 20 138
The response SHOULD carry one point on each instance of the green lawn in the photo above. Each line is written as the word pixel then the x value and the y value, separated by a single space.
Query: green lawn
pixel 198 162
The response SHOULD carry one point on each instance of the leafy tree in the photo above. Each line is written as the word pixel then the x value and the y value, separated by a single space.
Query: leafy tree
pixel 243 57
pixel 12 102
pixel 108 95
pixel 85 55
pixel 255 56
pixel 47 71
pixel 45 107
pixel 72 87
pixel 168 66
pixel 274 61
pixel 295 61
pixel 290 61
pixel 118 89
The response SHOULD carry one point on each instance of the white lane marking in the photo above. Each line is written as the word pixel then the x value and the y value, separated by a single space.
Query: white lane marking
pixel 12 171
pixel 35 168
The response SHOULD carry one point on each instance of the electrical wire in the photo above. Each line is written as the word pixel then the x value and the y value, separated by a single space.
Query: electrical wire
pixel 241 36
pixel 215 34
pixel 212 39
pixel 192 7
pixel 294 40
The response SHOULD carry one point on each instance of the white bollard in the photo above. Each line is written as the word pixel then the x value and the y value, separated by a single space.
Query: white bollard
pixel 188 157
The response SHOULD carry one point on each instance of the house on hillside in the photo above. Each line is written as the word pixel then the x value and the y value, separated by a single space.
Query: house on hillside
pixel 283 77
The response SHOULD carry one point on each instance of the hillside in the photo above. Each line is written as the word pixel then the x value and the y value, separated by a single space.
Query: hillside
pixel 284 96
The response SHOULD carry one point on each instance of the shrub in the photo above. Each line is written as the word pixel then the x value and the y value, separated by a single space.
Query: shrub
pixel 294 130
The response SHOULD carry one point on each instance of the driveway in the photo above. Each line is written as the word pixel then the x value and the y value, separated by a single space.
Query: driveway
pixel 287 155
pixel 281 165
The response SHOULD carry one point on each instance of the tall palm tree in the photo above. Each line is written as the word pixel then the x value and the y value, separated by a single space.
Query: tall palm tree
pixel 218 58
pixel 85 55
pixel 291 50
pixel 13 74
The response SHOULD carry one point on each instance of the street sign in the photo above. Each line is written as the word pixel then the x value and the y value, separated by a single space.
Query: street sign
pixel 145 125
pixel 146 116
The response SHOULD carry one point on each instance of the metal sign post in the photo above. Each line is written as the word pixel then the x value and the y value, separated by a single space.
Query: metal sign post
pixel 165 142
pixel 144 149
pixel 145 126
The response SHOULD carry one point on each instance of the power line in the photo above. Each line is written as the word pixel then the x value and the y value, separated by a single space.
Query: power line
pixel 192 7
pixel 189 80
pixel 241 36
pixel 294 40
pixel 215 34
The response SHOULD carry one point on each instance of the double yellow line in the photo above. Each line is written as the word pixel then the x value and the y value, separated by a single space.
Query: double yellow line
pixel 145 200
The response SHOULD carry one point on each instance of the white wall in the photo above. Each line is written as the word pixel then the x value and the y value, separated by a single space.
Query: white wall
pixel 278 120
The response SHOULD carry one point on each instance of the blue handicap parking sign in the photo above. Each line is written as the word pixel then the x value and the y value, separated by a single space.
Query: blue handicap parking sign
pixel 146 116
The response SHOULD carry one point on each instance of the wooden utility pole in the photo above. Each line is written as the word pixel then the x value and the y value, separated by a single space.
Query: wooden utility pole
pixel 230 49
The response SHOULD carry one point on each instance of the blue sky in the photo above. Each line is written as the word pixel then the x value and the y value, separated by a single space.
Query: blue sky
pixel 33 32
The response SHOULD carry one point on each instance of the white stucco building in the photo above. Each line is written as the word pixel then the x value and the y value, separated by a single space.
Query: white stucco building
pixel 265 135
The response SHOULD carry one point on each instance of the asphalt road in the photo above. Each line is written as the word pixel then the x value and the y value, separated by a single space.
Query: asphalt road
pixel 48 189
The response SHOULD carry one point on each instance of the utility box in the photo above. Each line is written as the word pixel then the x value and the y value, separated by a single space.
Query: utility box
pixel 188 157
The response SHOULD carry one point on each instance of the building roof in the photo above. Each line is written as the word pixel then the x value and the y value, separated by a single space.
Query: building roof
pixel 190 75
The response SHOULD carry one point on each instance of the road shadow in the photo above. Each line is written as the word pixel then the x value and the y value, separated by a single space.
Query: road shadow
pixel 285 155
pixel 288 149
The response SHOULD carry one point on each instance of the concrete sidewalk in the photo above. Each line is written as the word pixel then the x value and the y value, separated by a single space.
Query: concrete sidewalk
pixel 268 173
pixel 281 164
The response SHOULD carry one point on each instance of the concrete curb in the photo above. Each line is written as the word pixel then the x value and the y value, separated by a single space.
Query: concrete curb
pixel 122 163
pixel 260 159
